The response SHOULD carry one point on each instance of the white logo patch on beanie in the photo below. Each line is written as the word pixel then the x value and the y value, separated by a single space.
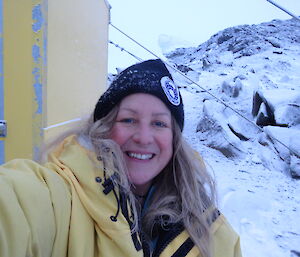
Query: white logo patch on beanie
pixel 171 90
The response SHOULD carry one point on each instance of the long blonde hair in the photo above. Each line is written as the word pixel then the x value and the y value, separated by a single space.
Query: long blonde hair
pixel 188 196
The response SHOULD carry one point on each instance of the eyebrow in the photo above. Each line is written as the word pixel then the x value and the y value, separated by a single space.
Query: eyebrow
pixel 135 112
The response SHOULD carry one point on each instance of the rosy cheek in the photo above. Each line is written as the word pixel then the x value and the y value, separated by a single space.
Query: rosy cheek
pixel 118 135
pixel 113 134
pixel 167 143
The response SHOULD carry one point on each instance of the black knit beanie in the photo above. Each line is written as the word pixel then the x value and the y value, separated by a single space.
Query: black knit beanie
pixel 150 77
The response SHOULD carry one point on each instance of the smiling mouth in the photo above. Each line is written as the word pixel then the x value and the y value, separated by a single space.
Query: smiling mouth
pixel 140 156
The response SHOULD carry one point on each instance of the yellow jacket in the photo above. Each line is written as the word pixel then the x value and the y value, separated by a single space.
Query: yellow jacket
pixel 70 212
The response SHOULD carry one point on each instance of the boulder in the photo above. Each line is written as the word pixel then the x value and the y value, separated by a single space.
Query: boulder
pixel 262 110
pixel 276 108
pixel 286 141
pixel 213 129
pixel 232 89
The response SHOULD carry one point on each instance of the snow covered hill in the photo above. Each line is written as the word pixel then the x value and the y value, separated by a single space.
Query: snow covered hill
pixel 254 69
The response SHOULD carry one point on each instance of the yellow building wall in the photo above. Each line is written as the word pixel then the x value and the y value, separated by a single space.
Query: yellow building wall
pixel 77 60
pixel 17 77
pixel 54 68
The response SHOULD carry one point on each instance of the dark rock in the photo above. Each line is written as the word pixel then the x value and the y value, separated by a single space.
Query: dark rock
pixel 263 119
pixel 183 68
pixel 239 135
pixel 295 253
pixel 223 38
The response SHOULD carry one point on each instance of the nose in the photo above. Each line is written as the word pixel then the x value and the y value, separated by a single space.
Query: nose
pixel 143 135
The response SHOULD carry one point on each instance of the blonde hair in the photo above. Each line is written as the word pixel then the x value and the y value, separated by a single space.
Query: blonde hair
pixel 185 200
pixel 188 198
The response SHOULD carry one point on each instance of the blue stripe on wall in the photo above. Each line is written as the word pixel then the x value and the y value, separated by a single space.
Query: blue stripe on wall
pixel 2 157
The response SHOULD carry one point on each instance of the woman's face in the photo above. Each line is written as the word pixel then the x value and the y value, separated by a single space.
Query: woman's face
pixel 143 129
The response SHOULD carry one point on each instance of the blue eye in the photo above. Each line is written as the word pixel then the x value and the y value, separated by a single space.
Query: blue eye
pixel 127 120
pixel 160 124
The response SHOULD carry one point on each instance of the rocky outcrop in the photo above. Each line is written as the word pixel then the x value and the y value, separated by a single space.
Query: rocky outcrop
pixel 254 69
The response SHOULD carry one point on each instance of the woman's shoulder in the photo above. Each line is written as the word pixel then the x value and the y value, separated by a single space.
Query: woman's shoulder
pixel 221 224
pixel 226 242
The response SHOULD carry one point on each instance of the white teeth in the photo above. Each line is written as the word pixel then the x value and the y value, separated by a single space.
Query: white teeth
pixel 140 156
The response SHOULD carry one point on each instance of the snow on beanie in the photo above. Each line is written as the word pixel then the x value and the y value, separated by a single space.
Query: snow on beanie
pixel 150 77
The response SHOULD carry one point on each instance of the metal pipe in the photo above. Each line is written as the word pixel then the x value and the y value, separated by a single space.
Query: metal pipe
pixel 283 9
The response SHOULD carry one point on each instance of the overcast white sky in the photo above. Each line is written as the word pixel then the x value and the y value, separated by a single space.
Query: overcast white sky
pixel 191 22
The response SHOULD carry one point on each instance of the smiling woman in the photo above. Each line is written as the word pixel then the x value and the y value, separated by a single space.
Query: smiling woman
pixel 127 184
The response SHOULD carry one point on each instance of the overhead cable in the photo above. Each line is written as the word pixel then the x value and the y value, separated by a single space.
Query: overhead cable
pixel 283 9
pixel 123 49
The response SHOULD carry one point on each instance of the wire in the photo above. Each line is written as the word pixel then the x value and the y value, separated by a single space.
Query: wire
pixel 283 9
pixel 123 49
pixel 197 84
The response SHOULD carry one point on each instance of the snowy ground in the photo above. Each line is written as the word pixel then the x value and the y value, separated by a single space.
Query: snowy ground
pixel 262 205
